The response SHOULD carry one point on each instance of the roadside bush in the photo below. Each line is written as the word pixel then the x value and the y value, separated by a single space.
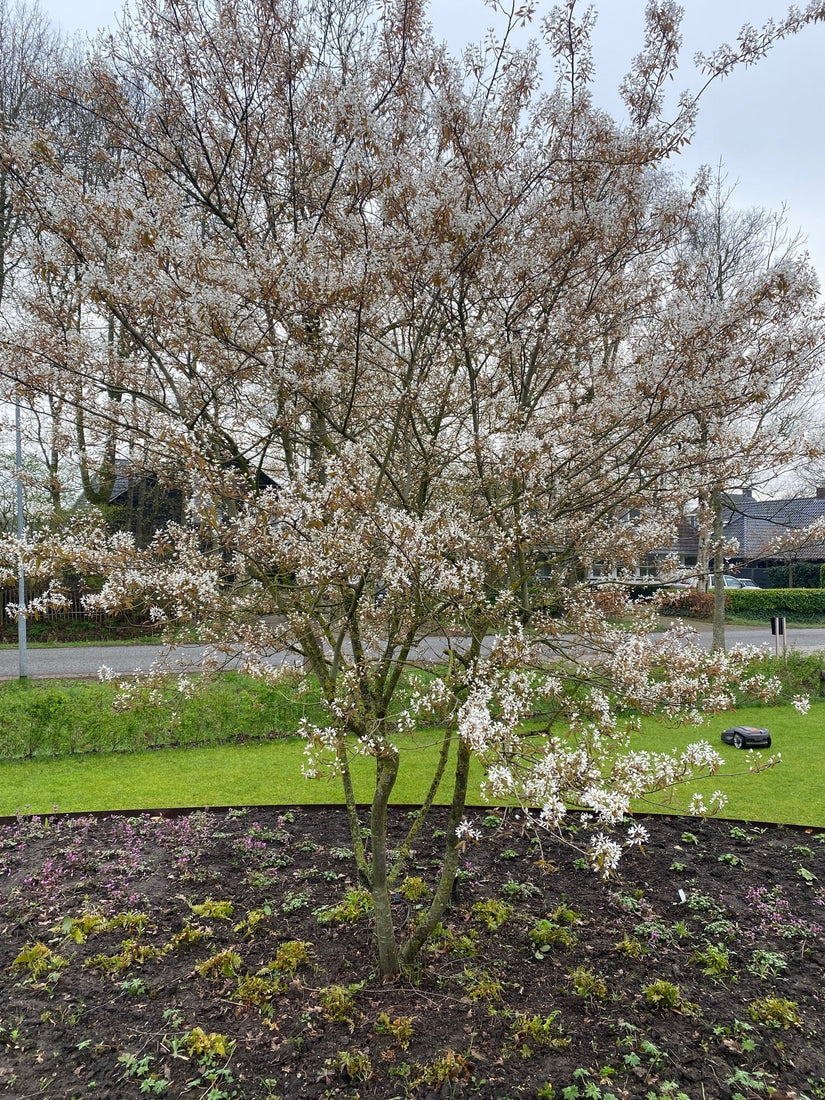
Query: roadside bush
pixel 799 673
pixel 805 575
pixel 61 717
pixel 764 603
pixel 687 601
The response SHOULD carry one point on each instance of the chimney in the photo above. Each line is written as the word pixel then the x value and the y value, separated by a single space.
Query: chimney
pixel 820 492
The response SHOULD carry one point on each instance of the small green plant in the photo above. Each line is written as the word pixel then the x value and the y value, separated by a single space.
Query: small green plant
pixel 338 1002
pixel 414 889
pixel 356 904
pixel 40 961
pixel 80 928
pixel 260 990
pixel 448 1069
pixel 664 996
pixel 730 858
pixel 563 914
pixel 257 922
pixel 291 955
pixel 689 838
pixel 400 1027
pixel 531 1033
pixel 482 986
pixel 514 889
pixel 492 913
pixel 225 964
pixel 189 936
pixel 767 964
pixel 131 921
pixel 556 930
pixel 294 900
pixel 134 987
pixel 206 1047
pixel 217 910
pixel 713 959
pixel 775 1011
pixel 754 1081
pixel 352 1065
pixel 630 946
pixel 588 985
pixel 444 940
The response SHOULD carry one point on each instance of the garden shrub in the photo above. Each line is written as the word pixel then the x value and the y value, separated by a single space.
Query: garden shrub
pixel 805 575
pixel 765 603
pixel 681 601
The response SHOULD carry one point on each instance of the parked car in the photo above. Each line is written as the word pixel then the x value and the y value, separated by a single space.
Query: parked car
pixel 747 737
pixel 746 582
pixel 735 582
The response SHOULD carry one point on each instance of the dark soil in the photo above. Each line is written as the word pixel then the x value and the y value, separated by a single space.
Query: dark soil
pixel 207 955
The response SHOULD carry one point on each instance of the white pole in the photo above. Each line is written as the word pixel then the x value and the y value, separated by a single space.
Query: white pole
pixel 23 664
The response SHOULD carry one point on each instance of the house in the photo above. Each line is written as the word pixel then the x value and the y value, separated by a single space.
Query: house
pixel 757 524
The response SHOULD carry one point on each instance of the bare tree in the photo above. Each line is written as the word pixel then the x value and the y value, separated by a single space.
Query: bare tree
pixel 748 330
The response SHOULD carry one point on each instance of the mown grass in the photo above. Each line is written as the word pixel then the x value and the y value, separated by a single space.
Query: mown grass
pixel 269 773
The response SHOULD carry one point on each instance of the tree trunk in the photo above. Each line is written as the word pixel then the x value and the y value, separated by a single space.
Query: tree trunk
pixel 449 867
pixel 718 570
pixel 386 772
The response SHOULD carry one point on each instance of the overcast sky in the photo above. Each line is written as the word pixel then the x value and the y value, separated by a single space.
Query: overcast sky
pixel 767 123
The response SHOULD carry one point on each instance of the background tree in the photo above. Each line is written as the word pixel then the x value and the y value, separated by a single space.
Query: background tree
pixel 378 315
pixel 746 329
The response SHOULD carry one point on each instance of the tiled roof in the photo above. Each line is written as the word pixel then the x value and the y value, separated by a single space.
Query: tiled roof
pixel 757 523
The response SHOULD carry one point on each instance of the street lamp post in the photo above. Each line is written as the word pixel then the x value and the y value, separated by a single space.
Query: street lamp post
pixel 23 660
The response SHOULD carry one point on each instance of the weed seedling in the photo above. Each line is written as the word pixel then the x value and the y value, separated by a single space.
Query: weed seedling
pixel 40 961
pixel 492 913
pixel 353 1065
pixel 401 1028
pixel 217 910
pixel 449 1069
pixel 588 985
pixel 414 889
pixel 80 928
pixel 225 964
pixel 767 964
pixel 775 1011
pixel 208 1047
pixel 482 986
pixel 356 904
pixel 338 1002
pixel 713 959
pixel 665 997
pixel 531 1033
pixel 291 955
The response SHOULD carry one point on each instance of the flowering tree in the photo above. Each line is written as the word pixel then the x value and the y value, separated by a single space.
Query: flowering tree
pixel 378 311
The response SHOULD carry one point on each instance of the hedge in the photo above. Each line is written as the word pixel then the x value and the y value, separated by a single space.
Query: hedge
pixel 767 602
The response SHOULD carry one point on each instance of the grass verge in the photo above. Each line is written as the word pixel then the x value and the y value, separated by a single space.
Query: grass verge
pixel 270 774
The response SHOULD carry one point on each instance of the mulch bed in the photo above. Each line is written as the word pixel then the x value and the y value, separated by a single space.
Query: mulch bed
pixel 228 954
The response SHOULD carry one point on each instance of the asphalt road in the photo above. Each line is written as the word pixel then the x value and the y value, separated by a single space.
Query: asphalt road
pixel 123 660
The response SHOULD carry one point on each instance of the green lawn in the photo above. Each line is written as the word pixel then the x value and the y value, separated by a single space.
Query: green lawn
pixel 270 774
